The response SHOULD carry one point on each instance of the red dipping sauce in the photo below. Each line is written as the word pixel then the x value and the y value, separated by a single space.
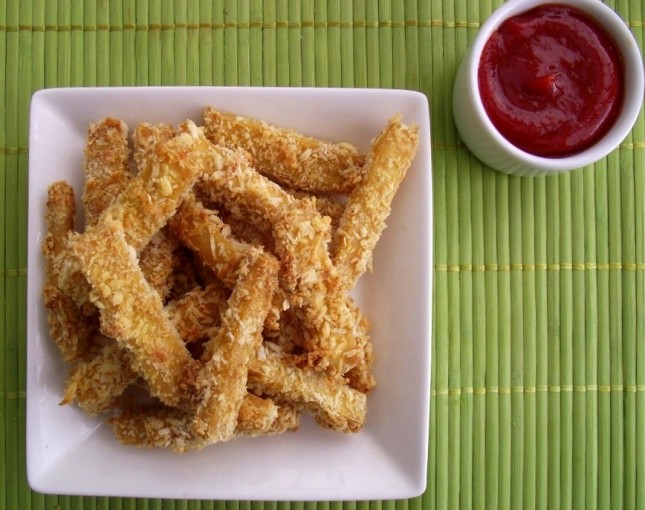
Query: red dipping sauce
pixel 551 81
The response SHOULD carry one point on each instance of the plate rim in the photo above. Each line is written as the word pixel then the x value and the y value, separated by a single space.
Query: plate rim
pixel 419 485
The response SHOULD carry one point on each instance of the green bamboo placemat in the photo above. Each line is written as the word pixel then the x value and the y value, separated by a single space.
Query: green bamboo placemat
pixel 538 389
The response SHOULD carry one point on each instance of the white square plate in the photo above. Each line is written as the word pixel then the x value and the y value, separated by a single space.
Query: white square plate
pixel 69 452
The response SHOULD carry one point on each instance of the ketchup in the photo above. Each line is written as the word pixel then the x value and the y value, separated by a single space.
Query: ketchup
pixel 551 81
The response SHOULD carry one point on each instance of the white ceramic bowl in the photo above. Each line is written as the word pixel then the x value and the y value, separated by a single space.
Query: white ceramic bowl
pixel 485 141
pixel 69 452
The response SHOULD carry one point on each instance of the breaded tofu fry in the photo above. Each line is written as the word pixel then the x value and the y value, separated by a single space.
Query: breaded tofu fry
pixel 334 404
pixel 166 427
pixel 299 232
pixel 361 377
pixel 60 210
pixel 68 326
pixel 293 159
pixel 148 201
pixel 156 427
pixel 132 312
pixel 238 185
pixel 157 191
pixel 207 235
pixel 369 205
pixel 157 257
pixel 146 138
pixel 156 261
pixel 197 311
pixel 106 176
pixel 256 414
pixel 325 205
pixel 221 383
pixel 287 418
pixel 301 236
pixel 95 383
pixel 106 166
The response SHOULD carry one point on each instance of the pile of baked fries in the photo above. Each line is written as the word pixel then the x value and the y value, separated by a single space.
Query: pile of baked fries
pixel 206 295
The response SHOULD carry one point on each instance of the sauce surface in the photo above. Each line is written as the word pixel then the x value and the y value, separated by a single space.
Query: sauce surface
pixel 551 81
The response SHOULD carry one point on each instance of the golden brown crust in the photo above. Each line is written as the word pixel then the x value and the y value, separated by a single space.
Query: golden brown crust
pixel 147 202
pixel 334 404
pixel 363 219
pixel 197 311
pixel 157 257
pixel 301 236
pixel 293 159
pixel 155 194
pixel 70 329
pixel 132 312
pixel 361 376
pixel 96 383
pixel 221 382
pixel 145 139
pixel 247 267
pixel 326 205
pixel 166 427
pixel 156 261
pixel 209 237
pixel 60 210
pixel 106 166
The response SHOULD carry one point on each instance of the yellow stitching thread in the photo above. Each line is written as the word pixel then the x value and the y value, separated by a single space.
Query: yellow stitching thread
pixel 13 395
pixel 434 23
pixel 562 266
pixel 14 150
pixel 448 146
pixel 632 146
pixel 505 390
pixel 12 273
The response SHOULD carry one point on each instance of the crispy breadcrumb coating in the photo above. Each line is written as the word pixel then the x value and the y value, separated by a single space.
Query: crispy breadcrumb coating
pixel 363 219
pixel 156 261
pixel 107 172
pixel 70 329
pixel 203 231
pixel 157 257
pixel 258 327
pixel 197 311
pixel 167 427
pixel 96 383
pixel 295 160
pixel 145 139
pixel 301 236
pixel 147 202
pixel 132 312
pixel 334 404
pixel 326 205
pixel 155 194
pixel 221 383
